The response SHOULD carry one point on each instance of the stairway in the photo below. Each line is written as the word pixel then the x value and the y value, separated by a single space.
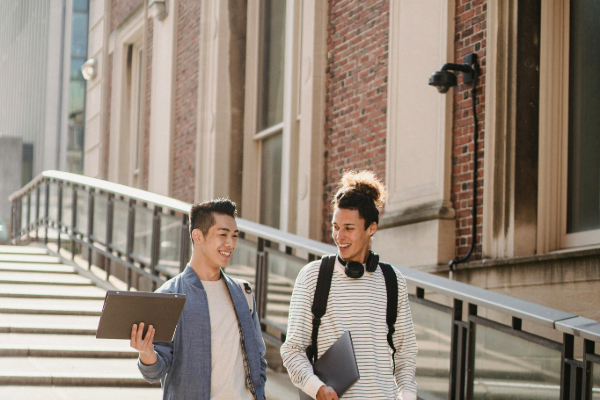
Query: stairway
pixel 48 349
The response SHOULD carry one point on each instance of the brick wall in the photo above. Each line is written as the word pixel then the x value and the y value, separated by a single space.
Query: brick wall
pixel 146 135
pixel 186 100
pixel 121 9
pixel 356 96
pixel 470 37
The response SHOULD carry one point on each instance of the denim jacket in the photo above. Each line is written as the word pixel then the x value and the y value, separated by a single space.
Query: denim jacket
pixel 184 364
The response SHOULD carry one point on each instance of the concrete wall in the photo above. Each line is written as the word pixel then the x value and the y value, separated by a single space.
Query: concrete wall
pixel 11 154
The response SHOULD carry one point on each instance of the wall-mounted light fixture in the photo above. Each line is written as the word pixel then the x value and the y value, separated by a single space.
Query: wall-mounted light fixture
pixel 443 80
pixel 158 9
pixel 88 69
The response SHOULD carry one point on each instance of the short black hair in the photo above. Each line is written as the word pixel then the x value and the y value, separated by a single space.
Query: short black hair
pixel 201 214
pixel 362 191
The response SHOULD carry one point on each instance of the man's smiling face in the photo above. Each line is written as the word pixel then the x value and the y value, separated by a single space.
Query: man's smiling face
pixel 216 248
pixel 350 235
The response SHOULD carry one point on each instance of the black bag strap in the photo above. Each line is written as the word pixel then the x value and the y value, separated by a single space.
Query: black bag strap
pixel 391 314
pixel 320 303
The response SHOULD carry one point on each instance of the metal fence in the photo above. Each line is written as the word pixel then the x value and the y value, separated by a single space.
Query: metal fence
pixel 473 343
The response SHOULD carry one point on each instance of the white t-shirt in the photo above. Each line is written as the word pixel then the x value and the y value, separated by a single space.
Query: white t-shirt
pixel 228 376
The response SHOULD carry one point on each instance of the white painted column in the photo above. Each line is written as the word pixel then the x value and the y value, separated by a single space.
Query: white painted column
pixel 164 45
pixel 418 225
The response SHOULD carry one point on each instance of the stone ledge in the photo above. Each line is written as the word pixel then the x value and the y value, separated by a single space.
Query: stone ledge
pixel 421 213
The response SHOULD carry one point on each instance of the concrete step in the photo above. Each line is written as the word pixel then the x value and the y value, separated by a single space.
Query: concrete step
pixel 26 258
pixel 37 278
pixel 63 371
pixel 22 250
pixel 78 393
pixel 48 324
pixel 278 309
pixel 50 306
pixel 63 341
pixel 52 292
pixel 31 267
pixel 64 351
pixel 278 298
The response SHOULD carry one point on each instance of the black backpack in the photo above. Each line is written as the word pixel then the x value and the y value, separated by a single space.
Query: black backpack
pixel 322 294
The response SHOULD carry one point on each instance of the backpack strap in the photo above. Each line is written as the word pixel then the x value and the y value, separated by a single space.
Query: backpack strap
pixel 247 290
pixel 320 303
pixel 391 314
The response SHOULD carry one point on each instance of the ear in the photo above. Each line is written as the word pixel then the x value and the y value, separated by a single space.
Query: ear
pixel 197 236
pixel 372 228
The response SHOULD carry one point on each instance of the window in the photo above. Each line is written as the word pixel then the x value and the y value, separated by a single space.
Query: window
pixel 569 196
pixel 77 87
pixel 583 193
pixel 270 108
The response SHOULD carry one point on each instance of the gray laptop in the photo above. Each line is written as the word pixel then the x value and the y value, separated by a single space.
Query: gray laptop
pixel 337 367
pixel 122 309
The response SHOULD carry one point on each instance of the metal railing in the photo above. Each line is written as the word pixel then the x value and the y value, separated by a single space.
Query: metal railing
pixel 473 343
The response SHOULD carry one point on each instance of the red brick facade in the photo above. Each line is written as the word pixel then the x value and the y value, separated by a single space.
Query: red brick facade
pixel 186 100
pixel 356 96
pixel 470 37
pixel 356 103
pixel 120 10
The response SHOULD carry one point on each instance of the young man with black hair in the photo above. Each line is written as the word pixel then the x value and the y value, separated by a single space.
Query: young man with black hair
pixel 357 302
pixel 217 351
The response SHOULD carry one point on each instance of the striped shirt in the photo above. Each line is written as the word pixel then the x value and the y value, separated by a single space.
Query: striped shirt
pixel 358 306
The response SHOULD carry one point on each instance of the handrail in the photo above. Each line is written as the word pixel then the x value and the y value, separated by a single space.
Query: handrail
pixel 244 225
pixel 485 298
pixel 568 324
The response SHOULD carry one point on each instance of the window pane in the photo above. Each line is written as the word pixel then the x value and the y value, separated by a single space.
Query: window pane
pixel 120 221
pixel 433 331
pixel 507 367
pixel 273 56
pixel 100 213
pixel 82 210
pixel 270 181
pixel 170 244
pixel 583 207
pixel 79 37
pixel 142 236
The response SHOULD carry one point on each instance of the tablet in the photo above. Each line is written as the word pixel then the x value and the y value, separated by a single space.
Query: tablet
pixel 122 309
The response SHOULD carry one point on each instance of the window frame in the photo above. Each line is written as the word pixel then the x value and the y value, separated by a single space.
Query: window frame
pixel 554 134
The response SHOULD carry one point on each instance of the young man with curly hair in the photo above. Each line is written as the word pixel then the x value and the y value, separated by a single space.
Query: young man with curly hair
pixel 357 302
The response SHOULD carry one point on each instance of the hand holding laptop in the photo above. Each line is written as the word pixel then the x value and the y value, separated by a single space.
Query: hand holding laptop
pixel 327 393
pixel 143 345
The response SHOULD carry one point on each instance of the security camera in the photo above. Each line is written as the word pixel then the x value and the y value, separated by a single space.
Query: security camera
pixel 443 80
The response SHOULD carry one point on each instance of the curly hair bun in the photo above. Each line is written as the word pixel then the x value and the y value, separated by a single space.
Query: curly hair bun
pixel 364 182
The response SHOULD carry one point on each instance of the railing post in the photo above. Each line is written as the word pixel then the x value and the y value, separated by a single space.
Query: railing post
pixel 37 213
pixel 28 221
pixel 90 225
pixel 567 383
pixel 130 239
pixel 73 221
pixel 470 355
pixel 184 252
pixel 588 348
pixel 110 209
pixel 13 220
pixel 457 353
pixel 59 219
pixel 260 280
pixel 47 211
pixel 155 246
